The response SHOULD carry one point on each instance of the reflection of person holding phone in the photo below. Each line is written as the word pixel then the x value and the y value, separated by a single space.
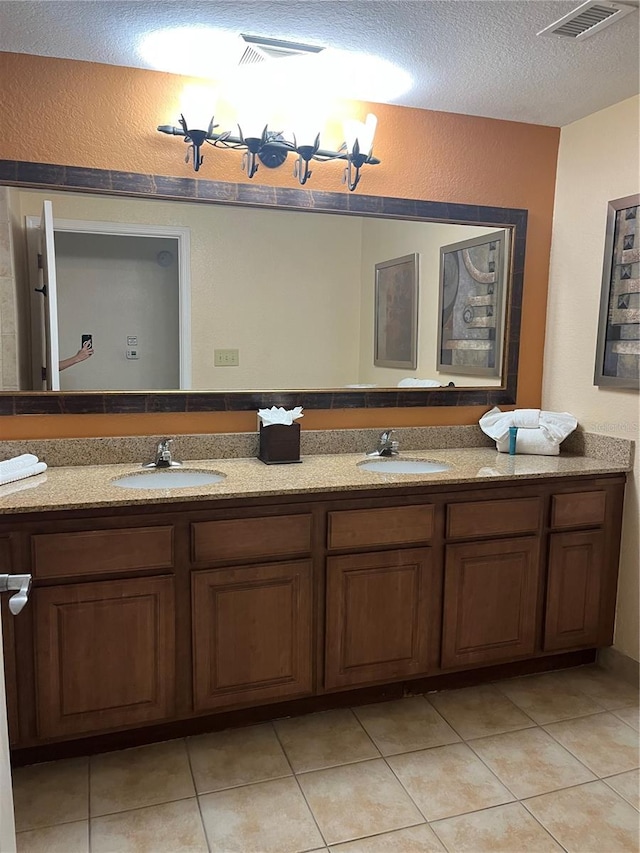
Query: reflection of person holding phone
pixel 85 352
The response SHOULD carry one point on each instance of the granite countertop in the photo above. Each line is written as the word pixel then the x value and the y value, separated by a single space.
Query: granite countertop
pixel 90 486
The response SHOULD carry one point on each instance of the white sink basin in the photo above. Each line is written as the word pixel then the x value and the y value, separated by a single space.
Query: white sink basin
pixel 171 478
pixel 403 466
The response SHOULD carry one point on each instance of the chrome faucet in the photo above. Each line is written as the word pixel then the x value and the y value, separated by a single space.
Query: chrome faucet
pixel 386 447
pixel 163 456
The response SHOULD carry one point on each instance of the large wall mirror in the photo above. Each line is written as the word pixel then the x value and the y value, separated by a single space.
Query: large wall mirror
pixel 197 295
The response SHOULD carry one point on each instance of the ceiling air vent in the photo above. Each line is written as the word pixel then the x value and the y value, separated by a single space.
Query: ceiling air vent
pixel 260 49
pixel 588 19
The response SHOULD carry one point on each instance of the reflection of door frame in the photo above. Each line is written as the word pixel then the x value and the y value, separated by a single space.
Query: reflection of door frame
pixel 117 229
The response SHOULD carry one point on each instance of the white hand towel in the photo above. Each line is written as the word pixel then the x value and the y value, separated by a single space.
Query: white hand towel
pixel 526 418
pixel 412 382
pixel 17 463
pixel 531 441
pixel 22 473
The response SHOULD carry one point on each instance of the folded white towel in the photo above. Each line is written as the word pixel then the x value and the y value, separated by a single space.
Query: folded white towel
pixel 526 418
pixel 556 425
pixel 531 441
pixel 17 463
pixel 412 382
pixel 22 473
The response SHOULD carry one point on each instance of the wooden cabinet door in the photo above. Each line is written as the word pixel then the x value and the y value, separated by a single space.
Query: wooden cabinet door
pixel 105 655
pixel 379 608
pixel 573 590
pixel 252 634
pixel 490 601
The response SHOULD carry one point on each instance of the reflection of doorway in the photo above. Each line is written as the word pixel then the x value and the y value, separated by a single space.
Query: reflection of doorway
pixel 127 286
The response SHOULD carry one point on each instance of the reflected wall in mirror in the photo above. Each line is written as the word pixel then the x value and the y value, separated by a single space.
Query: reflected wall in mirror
pixel 288 294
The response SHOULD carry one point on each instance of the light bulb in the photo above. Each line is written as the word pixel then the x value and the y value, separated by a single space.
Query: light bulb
pixel 363 131
pixel 198 105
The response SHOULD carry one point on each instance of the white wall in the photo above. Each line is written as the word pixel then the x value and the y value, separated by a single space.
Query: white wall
pixel 113 287
pixel 598 162
pixel 383 240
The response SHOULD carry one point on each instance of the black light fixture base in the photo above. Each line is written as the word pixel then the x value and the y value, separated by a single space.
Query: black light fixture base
pixel 272 158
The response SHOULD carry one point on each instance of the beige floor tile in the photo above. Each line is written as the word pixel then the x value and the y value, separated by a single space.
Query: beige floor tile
pixel 588 819
pixel 479 711
pixel 357 800
pixel 627 785
pixel 46 794
pixel 605 689
pixel 549 697
pixel 405 725
pixel 324 740
pixel 530 762
pixel 631 716
pixel 65 838
pixel 168 828
pixel 236 757
pixel 506 829
pixel 603 742
pixel 270 817
pixel 415 839
pixel 144 776
pixel 448 780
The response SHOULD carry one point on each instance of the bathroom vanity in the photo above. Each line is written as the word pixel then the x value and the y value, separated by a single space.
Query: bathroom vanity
pixel 303 582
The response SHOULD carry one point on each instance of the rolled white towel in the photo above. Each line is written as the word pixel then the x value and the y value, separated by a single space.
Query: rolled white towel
pixel 526 418
pixel 22 473
pixel 496 423
pixel 413 382
pixel 17 463
pixel 532 441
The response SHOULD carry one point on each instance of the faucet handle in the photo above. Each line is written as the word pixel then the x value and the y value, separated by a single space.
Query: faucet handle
pixel 386 435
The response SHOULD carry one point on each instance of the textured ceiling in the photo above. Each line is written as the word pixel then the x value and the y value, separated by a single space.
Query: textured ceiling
pixel 480 57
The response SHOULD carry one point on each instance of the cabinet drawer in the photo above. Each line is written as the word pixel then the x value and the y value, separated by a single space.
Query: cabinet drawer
pixel 91 552
pixel 397 525
pixel 476 519
pixel 248 538
pixel 578 509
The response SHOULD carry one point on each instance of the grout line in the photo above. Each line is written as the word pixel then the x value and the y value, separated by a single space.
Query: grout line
pixel 89 762
pixel 322 835
pixel 604 779
pixel 197 796
pixel 354 714
pixel 577 757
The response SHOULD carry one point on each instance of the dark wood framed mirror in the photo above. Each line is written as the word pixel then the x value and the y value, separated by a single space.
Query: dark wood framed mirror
pixel 65 178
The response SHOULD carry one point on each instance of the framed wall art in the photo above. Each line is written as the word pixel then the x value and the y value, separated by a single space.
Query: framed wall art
pixel 471 305
pixel 396 313
pixel 618 346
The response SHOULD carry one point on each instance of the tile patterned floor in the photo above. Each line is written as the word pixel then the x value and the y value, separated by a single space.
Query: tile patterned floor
pixel 543 763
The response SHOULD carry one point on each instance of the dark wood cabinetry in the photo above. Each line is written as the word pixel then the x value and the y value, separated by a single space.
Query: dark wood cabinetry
pixel 490 601
pixel 252 639
pixel 105 655
pixel 160 615
pixel 379 607
pixel 573 589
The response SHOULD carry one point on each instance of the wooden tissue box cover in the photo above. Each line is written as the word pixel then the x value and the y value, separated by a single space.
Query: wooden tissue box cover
pixel 279 443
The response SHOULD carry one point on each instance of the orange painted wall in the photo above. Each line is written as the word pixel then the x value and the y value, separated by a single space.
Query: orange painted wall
pixel 101 116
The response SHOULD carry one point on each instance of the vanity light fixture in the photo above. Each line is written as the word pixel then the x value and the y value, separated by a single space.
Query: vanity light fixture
pixel 271 149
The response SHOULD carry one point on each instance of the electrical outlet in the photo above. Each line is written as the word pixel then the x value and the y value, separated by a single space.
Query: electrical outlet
pixel 226 358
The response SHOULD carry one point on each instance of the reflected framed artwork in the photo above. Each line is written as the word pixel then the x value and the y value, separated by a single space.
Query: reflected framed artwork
pixel 618 346
pixel 471 305
pixel 396 313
